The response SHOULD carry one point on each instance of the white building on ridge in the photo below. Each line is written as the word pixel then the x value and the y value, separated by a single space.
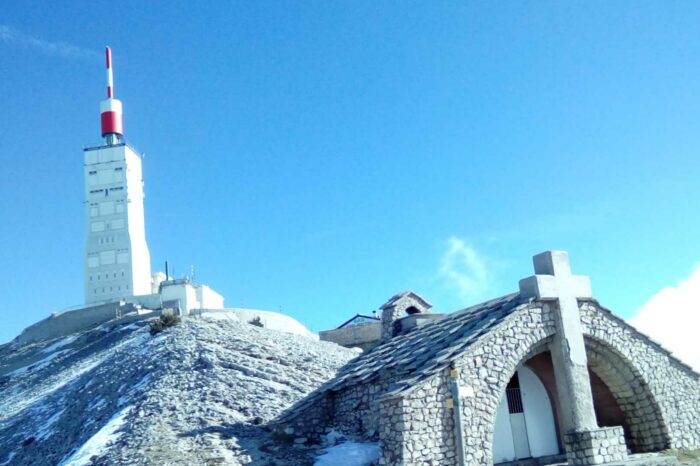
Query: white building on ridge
pixel 117 262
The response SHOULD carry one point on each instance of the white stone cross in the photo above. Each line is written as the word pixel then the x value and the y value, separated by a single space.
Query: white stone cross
pixel 553 281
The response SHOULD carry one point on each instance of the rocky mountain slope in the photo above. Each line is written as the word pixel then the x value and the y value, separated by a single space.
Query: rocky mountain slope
pixel 197 393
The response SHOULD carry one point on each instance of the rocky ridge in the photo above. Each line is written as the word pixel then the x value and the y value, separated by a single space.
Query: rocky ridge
pixel 198 393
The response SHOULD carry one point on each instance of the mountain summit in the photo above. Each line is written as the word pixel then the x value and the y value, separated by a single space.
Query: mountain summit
pixel 200 392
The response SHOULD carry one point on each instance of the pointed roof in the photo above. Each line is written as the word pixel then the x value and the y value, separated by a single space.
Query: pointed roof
pixel 405 294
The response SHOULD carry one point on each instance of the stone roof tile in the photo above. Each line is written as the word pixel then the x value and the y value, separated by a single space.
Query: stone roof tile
pixel 421 352
pixel 427 349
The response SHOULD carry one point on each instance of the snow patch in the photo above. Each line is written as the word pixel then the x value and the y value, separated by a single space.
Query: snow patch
pixel 333 438
pixel 350 454
pixel 46 430
pixel 9 459
pixel 60 343
pixel 270 320
pixel 19 399
pixel 95 404
pixel 220 316
pixel 98 443
pixel 36 366
pixel 131 327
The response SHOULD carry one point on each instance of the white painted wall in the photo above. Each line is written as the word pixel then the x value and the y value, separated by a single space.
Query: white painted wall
pixel 117 261
pixel 140 256
pixel 191 296
pixel 184 292
pixel 208 298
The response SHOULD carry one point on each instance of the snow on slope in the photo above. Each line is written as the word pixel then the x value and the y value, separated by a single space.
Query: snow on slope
pixel 198 393
pixel 350 454
pixel 98 443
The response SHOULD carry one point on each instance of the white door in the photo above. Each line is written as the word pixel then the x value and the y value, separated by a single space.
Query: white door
pixel 524 427
pixel 503 448
pixel 520 437
pixel 539 417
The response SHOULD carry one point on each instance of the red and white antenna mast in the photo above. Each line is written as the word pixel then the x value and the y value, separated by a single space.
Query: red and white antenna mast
pixel 111 108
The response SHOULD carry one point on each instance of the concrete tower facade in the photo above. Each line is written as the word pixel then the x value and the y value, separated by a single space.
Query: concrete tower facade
pixel 117 262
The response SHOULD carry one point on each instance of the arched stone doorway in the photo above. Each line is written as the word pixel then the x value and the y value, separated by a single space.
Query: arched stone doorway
pixel 525 425
pixel 645 428
pixel 621 397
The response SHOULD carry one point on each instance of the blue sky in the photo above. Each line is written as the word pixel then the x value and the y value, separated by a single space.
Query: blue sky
pixel 317 157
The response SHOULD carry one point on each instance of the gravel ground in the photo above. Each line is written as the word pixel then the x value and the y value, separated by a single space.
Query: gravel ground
pixel 198 393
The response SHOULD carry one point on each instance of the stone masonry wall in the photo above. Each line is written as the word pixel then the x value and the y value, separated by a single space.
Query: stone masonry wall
pixel 646 427
pixel 598 446
pixel 357 410
pixel 487 367
pixel 311 420
pixel 660 396
pixel 419 428
pixel 672 389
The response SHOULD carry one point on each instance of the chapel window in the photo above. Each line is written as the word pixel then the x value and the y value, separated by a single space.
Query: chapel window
pixel 513 395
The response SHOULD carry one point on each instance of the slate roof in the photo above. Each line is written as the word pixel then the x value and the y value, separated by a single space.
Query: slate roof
pixel 424 351
pixel 421 352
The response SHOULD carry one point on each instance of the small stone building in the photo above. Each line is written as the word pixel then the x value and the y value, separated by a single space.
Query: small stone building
pixel 544 372
pixel 361 331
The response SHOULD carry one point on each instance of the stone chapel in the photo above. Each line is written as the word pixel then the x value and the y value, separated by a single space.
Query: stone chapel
pixel 546 373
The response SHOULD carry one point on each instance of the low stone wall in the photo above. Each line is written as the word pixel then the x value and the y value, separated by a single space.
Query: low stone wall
pixel 598 446
pixel 363 336
pixel 68 322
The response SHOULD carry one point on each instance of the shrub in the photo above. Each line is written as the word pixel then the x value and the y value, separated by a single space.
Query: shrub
pixel 256 321
pixel 167 319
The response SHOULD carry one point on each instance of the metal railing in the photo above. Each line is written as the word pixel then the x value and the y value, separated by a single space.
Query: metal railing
pixel 515 400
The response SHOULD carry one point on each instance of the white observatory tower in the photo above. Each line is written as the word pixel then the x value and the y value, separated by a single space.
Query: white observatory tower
pixel 117 261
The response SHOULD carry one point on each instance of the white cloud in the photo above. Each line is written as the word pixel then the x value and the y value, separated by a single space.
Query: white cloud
pixel 672 317
pixel 463 270
pixel 12 36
